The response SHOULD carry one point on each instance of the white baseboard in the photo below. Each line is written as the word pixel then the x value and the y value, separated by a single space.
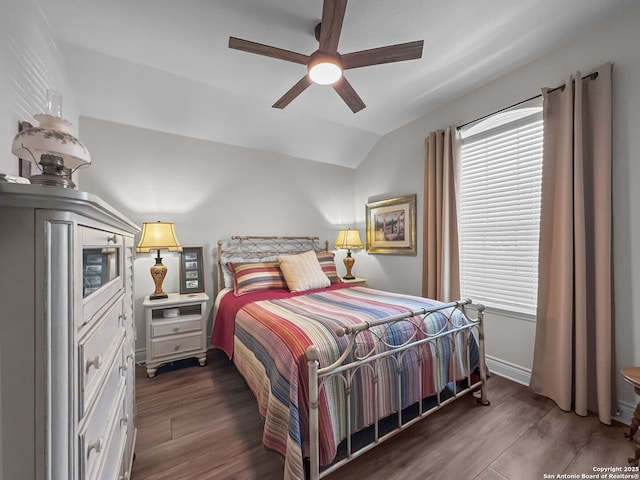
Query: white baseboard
pixel 522 376
pixel 625 414
pixel 508 370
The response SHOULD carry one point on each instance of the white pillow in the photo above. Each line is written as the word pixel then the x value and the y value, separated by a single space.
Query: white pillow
pixel 303 272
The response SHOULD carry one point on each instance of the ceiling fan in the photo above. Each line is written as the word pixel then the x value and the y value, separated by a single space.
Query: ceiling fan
pixel 325 66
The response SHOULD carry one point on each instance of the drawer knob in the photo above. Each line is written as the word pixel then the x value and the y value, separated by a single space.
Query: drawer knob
pixel 176 329
pixel 96 363
pixel 177 347
pixel 97 446
pixel 113 238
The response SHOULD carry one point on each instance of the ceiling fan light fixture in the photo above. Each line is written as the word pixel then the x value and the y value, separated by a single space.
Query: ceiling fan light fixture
pixel 325 73
pixel 324 69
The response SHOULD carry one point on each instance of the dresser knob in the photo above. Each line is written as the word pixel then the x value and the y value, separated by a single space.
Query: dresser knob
pixel 177 347
pixel 176 329
pixel 97 446
pixel 113 238
pixel 96 363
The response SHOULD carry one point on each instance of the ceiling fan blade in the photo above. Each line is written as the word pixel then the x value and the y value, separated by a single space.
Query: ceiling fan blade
pixel 293 92
pixel 267 50
pixel 331 24
pixel 389 54
pixel 349 95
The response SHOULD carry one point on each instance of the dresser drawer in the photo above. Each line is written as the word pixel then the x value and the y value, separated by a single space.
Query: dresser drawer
pixel 97 432
pixel 163 328
pixel 96 352
pixel 114 454
pixel 102 270
pixel 176 345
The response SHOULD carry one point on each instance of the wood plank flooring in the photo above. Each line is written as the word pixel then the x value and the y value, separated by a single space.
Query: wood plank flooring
pixel 199 423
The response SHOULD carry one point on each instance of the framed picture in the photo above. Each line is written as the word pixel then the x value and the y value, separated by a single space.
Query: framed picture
pixel 191 277
pixel 24 168
pixel 391 226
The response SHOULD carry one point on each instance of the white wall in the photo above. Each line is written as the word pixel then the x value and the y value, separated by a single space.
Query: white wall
pixel 30 64
pixel 395 166
pixel 211 191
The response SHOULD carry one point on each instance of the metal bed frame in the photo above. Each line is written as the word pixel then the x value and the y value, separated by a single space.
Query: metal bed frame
pixel 345 371
pixel 354 359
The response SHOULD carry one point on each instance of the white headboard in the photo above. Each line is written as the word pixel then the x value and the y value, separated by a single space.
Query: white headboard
pixel 258 248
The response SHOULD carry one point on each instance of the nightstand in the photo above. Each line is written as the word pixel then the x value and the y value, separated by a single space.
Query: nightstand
pixel 175 329
pixel 356 282
pixel 632 375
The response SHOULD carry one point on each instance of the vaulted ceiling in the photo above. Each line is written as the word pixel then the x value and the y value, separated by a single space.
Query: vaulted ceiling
pixel 166 65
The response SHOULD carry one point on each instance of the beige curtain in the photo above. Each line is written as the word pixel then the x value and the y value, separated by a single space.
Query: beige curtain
pixel 573 355
pixel 440 265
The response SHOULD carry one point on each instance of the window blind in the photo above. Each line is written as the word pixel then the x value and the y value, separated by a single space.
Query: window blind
pixel 499 210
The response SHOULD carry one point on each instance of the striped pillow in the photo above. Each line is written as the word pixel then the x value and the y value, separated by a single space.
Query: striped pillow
pixel 328 265
pixel 303 272
pixel 256 276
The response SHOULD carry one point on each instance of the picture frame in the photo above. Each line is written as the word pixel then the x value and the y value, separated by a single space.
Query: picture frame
pixel 391 226
pixel 24 168
pixel 191 270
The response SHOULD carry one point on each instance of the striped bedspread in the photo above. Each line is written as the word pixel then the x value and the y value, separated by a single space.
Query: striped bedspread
pixel 271 337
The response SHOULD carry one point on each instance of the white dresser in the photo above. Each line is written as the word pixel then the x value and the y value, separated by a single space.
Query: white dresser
pixel 67 380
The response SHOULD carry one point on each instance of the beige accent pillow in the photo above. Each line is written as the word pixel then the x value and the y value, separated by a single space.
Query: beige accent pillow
pixel 303 272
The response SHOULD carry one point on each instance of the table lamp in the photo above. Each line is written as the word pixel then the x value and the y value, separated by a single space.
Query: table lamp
pixel 158 236
pixel 348 239
pixel 55 151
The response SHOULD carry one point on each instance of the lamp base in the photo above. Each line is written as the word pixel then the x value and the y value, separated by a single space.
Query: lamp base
pixel 54 173
pixel 158 296
pixel 348 263
pixel 158 272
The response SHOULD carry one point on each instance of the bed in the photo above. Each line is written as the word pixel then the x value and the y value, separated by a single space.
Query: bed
pixel 336 369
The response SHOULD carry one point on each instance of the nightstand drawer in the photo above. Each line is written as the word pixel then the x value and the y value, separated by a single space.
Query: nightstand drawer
pixel 178 344
pixel 161 329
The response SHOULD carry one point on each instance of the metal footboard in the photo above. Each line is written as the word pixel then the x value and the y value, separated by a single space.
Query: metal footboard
pixel 355 360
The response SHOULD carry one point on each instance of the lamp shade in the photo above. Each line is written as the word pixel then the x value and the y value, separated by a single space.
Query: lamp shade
pixel 51 137
pixel 158 236
pixel 349 238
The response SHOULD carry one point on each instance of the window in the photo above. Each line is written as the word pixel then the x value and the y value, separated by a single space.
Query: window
pixel 499 210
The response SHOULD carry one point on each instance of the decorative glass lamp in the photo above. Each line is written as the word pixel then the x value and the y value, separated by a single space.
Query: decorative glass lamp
pixel 158 236
pixel 52 147
pixel 348 239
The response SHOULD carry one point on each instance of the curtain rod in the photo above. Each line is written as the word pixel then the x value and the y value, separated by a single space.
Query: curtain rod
pixel 591 76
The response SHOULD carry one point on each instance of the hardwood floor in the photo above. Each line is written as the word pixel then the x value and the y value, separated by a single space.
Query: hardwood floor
pixel 198 423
